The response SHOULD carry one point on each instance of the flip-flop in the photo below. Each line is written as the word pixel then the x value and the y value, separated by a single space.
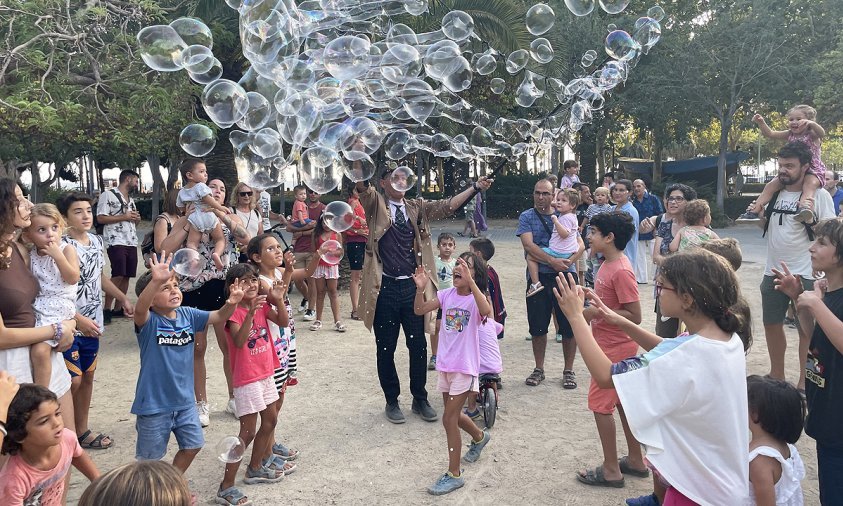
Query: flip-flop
pixel 594 477
pixel 623 463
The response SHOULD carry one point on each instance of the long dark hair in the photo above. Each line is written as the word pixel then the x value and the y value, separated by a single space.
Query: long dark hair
pixel 8 208
pixel 319 229
pixel 480 274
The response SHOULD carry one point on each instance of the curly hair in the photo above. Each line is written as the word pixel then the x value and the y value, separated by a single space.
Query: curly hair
pixel 28 399
pixel 696 212
pixel 8 208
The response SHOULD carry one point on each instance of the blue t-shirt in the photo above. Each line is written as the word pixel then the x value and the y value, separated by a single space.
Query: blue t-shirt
pixel 165 381
pixel 531 221
pixel 837 198
pixel 631 250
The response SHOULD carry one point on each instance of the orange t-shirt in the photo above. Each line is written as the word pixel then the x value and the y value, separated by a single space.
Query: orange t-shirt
pixel 615 284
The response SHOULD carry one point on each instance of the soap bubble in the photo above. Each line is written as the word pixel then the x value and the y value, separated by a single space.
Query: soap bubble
pixel 497 85
pixel 320 171
pixel 187 262
pixel 613 6
pixel 646 33
pixel 230 449
pixel 161 47
pixel 193 31
pixel 361 169
pixel 400 63
pixel 588 58
pixel 338 216
pixel 517 60
pixel 197 59
pixel 258 173
pixel 210 76
pixel 611 27
pixel 331 252
pixel 197 140
pixel 539 19
pixel 620 46
pixel 457 25
pixel 225 102
pixel 486 64
pixel 396 144
pixel 541 50
pixel 347 57
pixel 458 75
pixel 258 113
pixel 580 7
pixel 402 179
pixel 656 12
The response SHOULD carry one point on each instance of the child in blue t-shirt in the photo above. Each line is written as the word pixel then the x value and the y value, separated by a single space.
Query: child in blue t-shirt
pixel 164 399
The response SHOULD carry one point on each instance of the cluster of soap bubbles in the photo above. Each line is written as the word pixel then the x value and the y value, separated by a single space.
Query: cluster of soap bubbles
pixel 332 82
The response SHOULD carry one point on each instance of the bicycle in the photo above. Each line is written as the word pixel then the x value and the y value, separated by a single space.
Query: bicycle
pixel 488 397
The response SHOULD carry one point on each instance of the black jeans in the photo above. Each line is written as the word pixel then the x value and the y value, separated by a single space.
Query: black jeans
pixel 393 311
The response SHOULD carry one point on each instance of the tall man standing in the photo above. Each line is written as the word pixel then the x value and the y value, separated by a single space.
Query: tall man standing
pixel 787 242
pixel 117 212
pixel 647 205
pixel 535 226
pixel 399 238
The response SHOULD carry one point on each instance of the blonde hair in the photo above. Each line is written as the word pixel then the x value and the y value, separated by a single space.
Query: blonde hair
pixel 696 212
pixel 809 112
pixel 48 211
pixel 235 196
pixel 141 483
pixel 601 190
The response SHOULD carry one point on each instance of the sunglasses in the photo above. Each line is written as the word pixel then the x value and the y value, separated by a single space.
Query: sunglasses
pixel 245 194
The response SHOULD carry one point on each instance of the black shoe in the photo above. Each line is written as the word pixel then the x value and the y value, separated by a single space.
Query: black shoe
pixel 424 410
pixel 117 313
pixel 106 317
pixel 394 414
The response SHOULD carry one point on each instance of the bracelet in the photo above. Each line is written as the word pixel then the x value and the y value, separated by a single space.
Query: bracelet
pixel 3 429
pixel 187 229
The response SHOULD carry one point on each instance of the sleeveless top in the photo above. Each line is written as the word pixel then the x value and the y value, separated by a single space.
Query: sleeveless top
pixel 788 488
pixel 56 300
pixel 319 242
pixel 817 165
pixel 251 220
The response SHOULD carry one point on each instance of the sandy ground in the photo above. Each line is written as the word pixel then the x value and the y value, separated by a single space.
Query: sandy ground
pixel 350 454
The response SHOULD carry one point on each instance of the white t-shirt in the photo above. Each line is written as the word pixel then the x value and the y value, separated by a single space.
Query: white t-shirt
pixel 788 242
pixel 685 401
pixel 89 300
pixel 263 204
pixel 122 233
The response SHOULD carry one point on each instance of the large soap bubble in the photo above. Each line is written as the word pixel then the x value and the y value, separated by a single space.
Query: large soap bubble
pixel 517 60
pixel 197 140
pixel 193 31
pixel 580 7
pixel 497 85
pixel 321 171
pixel 161 47
pixel 187 262
pixel 347 57
pixel 457 25
pixel 338 216
pixel 197 59
pixel 225 102
pixel 613 6
pixel 541 50
pixel 539 19
pixel 619 45
pixel 361 169
pixel 331 252
pixel 230 449
pixel 402 179
pixel 656 12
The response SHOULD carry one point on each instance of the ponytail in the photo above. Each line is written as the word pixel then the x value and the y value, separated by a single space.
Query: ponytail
pixel 736 320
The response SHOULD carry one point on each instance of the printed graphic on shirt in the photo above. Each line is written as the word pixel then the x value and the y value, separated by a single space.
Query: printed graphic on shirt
pixel 443 274
pixel 178 337
pixel 456 319
pixel 787 206
pixel 49 491
pixel 814 369
pixel 255 335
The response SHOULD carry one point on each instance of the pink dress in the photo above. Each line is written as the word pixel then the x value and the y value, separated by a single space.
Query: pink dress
pixel 817 165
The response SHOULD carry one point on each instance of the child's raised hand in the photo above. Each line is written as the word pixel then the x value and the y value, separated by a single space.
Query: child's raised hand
pixel 603 311
pixel 421 278
pixel 787 283
pixel 464 271
pixel 257 303
pixel 289 261
pixel 278 289
pixel 159 266
pixel 757 118
pixel 51 248
pixel 235 292
pixel 569 295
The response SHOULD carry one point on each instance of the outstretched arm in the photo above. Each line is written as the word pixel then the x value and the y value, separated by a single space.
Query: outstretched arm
pixel 768 132
pixel 444 208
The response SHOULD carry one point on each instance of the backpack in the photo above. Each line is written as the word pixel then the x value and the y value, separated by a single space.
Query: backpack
pixel 768 213
pixel 148 244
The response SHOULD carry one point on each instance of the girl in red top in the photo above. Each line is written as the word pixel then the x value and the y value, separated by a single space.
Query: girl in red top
pixel 355 245
pixel 327 275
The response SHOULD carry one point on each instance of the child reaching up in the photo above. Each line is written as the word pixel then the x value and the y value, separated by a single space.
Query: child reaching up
pixel 195 191
pixel 253 362
pixel 801 127
pixel 563 239
pixel 685 398
pixel 776 418
pixel 42 450
pixel 697 216
pixel 464 309
pixel 56 267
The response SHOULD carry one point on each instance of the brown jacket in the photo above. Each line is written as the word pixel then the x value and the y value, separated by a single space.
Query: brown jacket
pixel 379 219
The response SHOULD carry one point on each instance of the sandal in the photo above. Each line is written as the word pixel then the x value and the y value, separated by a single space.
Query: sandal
pixel 231 497
pixel 284 452
pixel 96 443
pixel 354 316
pixel 595 478
pixel 534 289
pixel 316 325
pixel 623 463
pixel 278 464
pixel 569 380
pixel 262 475
pixel 535 378
pixel 339 327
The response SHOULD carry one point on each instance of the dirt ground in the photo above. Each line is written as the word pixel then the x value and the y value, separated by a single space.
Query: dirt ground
pixel 350 454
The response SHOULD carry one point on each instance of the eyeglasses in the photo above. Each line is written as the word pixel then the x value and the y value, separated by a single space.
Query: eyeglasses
pixel 660 287
pixel 676 199
pixel 245 194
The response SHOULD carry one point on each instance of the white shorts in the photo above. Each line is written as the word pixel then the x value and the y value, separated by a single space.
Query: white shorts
pixel 327 272
pixel 455 383
pixel 254 397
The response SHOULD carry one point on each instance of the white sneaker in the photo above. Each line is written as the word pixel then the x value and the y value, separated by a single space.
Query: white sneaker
pixel 229 408
pixel 309 315
pixel 204 413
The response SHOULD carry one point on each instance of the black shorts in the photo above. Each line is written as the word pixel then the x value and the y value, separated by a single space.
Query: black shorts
pixel 540 306
pixel 124 261
pixel 208 297
pixel 356 252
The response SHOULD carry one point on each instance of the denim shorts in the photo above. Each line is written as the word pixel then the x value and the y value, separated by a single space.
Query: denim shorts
pixel 154 433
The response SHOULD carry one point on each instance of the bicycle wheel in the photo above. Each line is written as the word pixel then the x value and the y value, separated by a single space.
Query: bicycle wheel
pixel 490 406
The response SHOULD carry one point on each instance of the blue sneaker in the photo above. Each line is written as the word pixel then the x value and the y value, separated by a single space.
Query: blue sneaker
pixel 446 484
pixel 644 500
pixel 476 447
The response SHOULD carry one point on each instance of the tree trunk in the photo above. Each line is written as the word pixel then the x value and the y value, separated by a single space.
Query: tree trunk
pixel 555 153
pixel 9 169
pixel 725 125
pixel 34 188
pixel 588 155
pixel 44 186
pixel 657 161
pixel 220 162
pixel 154 162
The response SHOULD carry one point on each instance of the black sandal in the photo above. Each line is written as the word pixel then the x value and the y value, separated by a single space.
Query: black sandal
pixel 569 380
pixel 96 443
pixel 535 378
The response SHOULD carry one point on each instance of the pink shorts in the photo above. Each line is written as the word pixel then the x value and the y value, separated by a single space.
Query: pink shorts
pixel 455 383
pixel 254 397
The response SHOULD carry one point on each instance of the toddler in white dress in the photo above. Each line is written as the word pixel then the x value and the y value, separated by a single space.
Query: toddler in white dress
pixel 202 220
